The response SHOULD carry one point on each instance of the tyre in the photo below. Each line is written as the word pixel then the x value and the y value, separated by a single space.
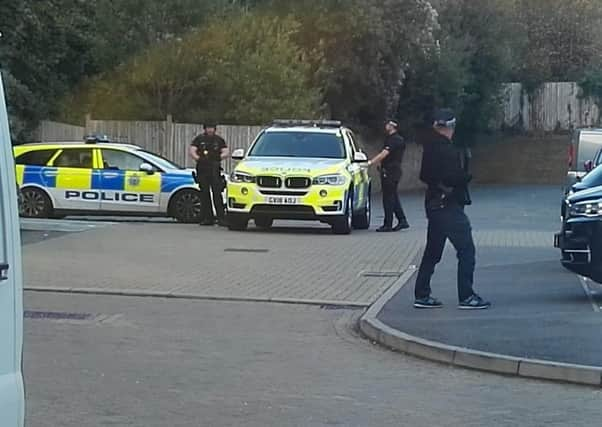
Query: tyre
pixel 362 220
pixel 35 203
pixel 344 224
pixel 185 206
pixel 263 222
pixel 238 222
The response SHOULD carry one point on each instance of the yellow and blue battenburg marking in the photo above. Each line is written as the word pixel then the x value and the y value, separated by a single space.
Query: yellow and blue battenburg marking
pixel 101 179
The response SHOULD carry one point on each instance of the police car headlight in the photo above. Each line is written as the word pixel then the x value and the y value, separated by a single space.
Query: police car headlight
pixel 336 179
pixel 589 208
pixel 243 178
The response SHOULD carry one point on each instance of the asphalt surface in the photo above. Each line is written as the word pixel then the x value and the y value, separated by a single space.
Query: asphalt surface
pixel 156 363
pixel 539 309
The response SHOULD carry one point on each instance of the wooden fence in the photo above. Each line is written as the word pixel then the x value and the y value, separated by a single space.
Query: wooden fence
pixel 169 139
pixel 552 107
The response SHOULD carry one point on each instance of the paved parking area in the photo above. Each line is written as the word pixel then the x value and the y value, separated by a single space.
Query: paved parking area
pixel 295 262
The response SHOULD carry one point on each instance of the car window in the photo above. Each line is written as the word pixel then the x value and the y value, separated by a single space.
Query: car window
pixel 75 158
pixel 353 142
pixel 121 160
pixel 594 178
pixel 161 161
pixel 299 144
pixel 35 157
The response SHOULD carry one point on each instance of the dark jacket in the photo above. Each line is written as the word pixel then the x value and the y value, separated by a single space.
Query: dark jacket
pixel 209 149
pixel 445 171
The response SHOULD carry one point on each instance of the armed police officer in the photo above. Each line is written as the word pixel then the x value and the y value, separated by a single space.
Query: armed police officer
pixel 390 159
pixel 208 150
pixel 445 171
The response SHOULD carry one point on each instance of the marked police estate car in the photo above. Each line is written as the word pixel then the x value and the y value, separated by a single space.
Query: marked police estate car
pixel 301 170
pixel 102 178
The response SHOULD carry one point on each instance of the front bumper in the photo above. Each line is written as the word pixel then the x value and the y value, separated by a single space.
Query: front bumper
pixel 576 239
pixel 315 202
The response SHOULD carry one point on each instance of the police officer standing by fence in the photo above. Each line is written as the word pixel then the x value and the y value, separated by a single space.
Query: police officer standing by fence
pixel 445 171
pixel 208 150
pixel 390 159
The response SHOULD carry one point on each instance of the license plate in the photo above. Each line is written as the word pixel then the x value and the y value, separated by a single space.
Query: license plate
pixel 282 200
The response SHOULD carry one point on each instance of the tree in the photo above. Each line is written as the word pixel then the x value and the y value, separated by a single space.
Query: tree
pixel 244 70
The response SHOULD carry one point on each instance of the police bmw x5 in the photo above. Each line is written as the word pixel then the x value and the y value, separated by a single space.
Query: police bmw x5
pixel 102 178
pixel 301 170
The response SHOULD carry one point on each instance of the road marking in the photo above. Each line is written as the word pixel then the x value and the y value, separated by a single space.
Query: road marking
pixel 589 293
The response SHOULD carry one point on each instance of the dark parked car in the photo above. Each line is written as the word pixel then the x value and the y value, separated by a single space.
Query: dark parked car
pixel 580 239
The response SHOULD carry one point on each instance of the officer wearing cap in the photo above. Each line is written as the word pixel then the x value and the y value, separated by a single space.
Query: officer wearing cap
pixel 208 150
pixel 390 159
pixel 445 171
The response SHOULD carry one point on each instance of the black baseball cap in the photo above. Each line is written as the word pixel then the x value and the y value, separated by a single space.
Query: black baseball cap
pixel 444 118
pixel 393 123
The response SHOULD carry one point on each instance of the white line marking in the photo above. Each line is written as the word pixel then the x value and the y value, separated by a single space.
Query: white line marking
pixel 589 294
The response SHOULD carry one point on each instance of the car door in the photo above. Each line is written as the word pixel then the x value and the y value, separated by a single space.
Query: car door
pixel 12 399
pixel 359 173
pixel 73 172
pixel 125 187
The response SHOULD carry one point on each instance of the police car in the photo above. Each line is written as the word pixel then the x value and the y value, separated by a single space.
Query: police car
pixel 99 177
pixel 301 170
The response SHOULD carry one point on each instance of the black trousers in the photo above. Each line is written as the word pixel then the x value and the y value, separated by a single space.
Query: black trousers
pixel 391 203
pixel 448 223
pixel 210 181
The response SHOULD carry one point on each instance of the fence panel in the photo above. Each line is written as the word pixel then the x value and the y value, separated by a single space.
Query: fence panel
pixel 49 131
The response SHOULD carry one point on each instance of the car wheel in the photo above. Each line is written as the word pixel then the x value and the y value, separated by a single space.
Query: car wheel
pixel 238 222
pixel 344 224
pixel 362 221
pixel 185 206
pixel 263 222
pixel 35 203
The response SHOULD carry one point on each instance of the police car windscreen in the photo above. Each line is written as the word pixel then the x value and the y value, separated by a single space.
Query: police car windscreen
pixel 593 179
pixel 299 144
pixel 160 161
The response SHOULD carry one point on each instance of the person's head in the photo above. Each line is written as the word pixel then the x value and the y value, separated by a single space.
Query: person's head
pixel 210 129
pixel 444 122
pixel 391 126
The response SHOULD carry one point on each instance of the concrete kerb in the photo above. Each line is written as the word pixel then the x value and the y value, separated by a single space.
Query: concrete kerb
pixel 142 293
pixel 399 341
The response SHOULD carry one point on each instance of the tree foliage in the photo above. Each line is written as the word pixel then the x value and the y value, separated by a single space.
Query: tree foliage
pixel 249 60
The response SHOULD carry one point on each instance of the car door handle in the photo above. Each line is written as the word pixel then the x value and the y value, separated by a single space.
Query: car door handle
pixel 110 175
pixel 3 271
pixel 50 173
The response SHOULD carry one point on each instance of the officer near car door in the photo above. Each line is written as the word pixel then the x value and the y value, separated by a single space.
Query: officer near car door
pixel 445 171
pixel 208 150
pixel 390 159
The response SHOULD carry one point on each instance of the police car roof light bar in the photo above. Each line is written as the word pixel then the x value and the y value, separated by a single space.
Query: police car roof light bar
pixel 307 123
pixel 95 139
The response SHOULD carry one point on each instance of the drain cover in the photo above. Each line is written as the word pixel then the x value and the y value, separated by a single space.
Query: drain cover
pixel 381 274
pixel 56 315
pixel 251 250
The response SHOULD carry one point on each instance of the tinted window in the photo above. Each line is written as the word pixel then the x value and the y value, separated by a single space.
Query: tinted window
pixel 121 160
pixel 593 179
pixel 299 144
pixel 35 158
pixel 75 158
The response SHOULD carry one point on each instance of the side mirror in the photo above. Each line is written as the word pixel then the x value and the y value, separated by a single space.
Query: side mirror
pixel 589 166
pixel 149 169
pixel 238 154
pixel 360 157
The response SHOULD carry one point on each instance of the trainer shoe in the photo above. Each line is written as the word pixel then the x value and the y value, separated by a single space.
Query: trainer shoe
pixel 475 302
pixel 428 302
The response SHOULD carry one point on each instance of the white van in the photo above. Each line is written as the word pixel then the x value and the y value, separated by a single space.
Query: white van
pixel 12 396
pixel 583 148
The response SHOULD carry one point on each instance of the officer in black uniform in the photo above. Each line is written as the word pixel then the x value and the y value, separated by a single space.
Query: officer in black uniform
pixel 208 150
pixel 445 171
pixel 390 159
